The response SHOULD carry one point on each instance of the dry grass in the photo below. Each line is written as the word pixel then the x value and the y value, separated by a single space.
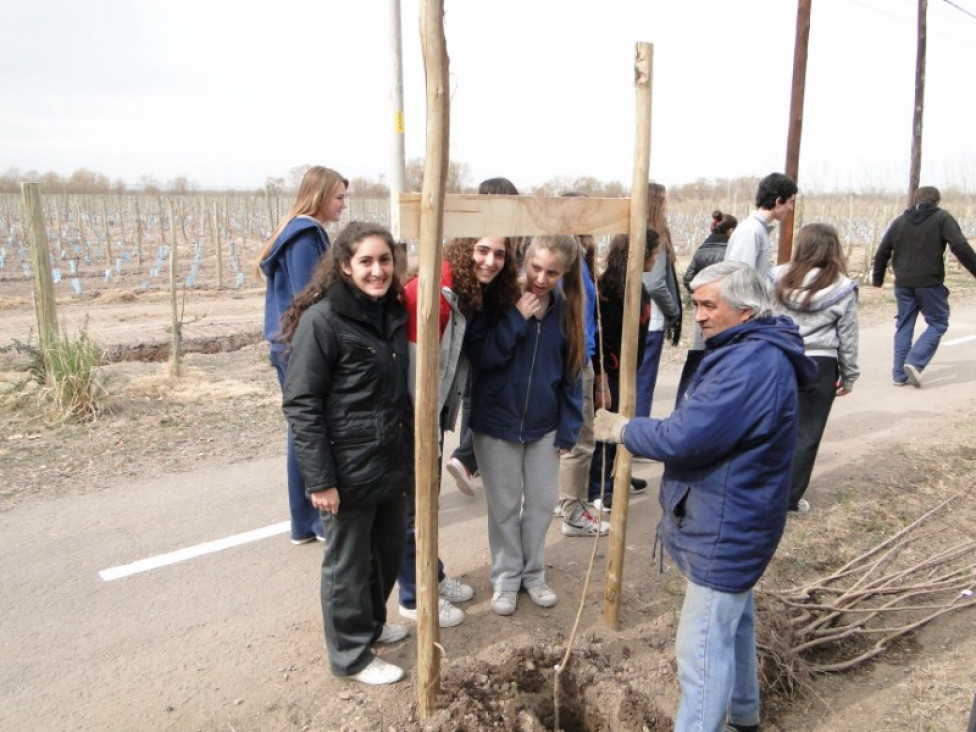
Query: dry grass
pixel 13 303
pixel 191 387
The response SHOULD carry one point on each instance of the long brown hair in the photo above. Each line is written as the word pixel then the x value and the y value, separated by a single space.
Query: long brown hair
pixel 657 209
pixel 328 272
pixel 568 249
pixel 614 278
pixel 818 247
pixel 498 295
pixel 318 185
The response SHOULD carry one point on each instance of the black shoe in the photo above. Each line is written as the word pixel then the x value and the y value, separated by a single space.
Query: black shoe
pixel 742 727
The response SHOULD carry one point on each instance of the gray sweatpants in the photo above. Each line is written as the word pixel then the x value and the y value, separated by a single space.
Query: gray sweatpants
pixel 521 485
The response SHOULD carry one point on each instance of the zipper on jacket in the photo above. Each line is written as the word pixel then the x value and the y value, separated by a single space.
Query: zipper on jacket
pixel 528 386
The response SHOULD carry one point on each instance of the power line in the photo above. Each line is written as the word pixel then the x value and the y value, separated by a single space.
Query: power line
pixel 960 9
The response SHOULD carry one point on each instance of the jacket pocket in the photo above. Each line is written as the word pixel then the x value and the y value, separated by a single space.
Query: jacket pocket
pixel 677 503
pixel 355 440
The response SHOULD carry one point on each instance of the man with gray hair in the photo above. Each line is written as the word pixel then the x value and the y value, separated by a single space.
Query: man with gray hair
pixel 915 243
pixel 727 450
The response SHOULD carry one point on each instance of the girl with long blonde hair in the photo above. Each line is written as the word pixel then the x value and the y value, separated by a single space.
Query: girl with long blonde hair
pixel 287 262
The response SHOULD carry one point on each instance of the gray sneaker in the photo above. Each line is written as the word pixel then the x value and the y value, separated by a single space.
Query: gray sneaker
pixel 448 616
pixel 543 596
pixel 454 591
pixel 503 603
pixel 584 523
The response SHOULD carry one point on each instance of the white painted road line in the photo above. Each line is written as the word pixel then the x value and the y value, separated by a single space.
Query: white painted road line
pixel 957 341
pixel 162 560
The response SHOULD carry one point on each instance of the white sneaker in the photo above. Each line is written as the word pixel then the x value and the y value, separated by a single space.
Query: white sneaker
pixel 598 505
pixel 543 596
pixel 584 523
pixel 454 591
pixel 392 634
pixel 461 476
pixel 802 507
pixel 503 603
pixel 379 672
pixel 447 615
pixel 913 374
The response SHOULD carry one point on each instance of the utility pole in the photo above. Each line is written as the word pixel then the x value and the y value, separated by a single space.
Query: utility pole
pixel 916 164
pixel 398 172
pixel 800 49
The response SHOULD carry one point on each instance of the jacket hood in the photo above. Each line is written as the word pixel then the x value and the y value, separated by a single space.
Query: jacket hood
pixel 778 331
pixel 795 299
pixel 292 228
pixel 918 214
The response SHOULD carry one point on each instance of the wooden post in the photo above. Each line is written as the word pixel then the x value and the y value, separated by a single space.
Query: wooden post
pixel 138 232
pixel 108 235
pixel 915 170
pixel 785 252
pixel 175 326
pixel 44 304
pixel 426 457
pixel 643 70
pixel 217 253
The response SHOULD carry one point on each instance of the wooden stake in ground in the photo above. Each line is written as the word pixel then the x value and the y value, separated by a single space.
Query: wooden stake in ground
pixel 428 335
pixel 175 325
pixel 785 253
pixel 108 235
pixel 44 305
pixel 138 233
pixel 643 69
pixel 217 257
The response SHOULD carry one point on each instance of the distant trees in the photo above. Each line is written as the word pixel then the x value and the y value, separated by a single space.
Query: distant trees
pixel 458 175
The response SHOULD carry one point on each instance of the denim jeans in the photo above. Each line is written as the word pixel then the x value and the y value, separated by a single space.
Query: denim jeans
pixel 306 521
pixel 647 373
pixel 933 303
pixel 716 650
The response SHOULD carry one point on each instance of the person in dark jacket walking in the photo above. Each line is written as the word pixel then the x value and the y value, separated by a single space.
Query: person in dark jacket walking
pixel 712 250
pixel 287 261
pixel 915 243
pixel 347 399
pixel 527 408
pixel 727 451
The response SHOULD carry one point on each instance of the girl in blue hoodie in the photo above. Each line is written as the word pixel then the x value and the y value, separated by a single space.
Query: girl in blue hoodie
pixel 526 409
pixel 287 262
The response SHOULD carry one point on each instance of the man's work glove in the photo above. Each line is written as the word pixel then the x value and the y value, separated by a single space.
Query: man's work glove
pixel 608 426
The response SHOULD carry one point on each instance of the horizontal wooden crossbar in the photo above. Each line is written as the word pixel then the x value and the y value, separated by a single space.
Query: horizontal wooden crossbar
pixel 471 215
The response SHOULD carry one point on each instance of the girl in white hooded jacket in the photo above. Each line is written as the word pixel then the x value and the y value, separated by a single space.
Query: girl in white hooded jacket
pixel 815 291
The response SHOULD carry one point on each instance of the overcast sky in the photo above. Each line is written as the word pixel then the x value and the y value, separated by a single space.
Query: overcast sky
pixel 230 92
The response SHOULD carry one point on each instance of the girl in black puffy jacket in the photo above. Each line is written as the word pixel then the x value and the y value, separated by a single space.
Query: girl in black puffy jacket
pixel 346 397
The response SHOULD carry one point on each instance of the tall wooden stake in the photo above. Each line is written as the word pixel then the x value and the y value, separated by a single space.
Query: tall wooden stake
pixel 643 70
pixel 800 49
pixel 915 170
pixel 44 304
pixel 217 252
pixel 175 325
pixel 426 453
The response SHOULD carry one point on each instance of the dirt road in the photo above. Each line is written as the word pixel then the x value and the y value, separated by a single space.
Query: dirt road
pixel 231 639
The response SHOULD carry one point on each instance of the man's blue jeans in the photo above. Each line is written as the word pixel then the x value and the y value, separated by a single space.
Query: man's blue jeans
pixel 933 303
pixel 716 650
